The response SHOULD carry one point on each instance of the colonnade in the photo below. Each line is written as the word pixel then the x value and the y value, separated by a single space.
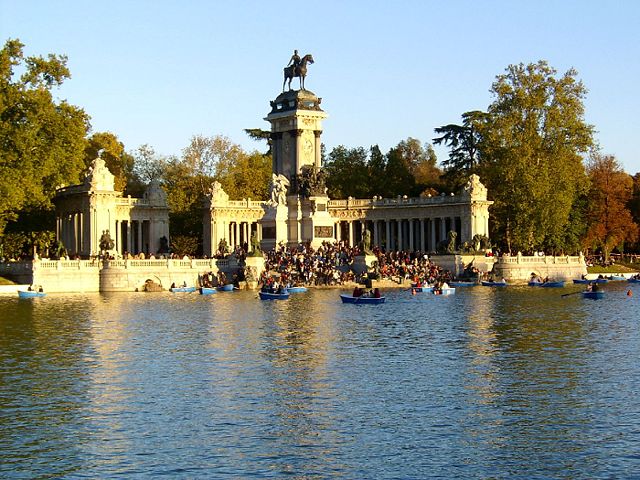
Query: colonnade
pixel 422 234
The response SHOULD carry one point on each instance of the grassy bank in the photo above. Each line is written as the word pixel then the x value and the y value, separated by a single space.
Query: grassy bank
pixel 617 268
pixel 6 281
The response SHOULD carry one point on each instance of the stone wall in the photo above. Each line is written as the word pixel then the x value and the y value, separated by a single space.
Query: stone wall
pixel 58 276
pixel 519 268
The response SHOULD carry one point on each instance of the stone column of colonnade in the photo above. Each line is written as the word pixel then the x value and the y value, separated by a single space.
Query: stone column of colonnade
pixel 414 234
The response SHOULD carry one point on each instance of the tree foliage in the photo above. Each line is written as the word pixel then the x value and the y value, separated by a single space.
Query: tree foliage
pixel 42 140
pixel 464 142
pixel 609 218
pixel 111 150
pixel 409 168
pixel 528 149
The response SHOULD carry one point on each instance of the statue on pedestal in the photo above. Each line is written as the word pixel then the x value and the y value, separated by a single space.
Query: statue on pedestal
pixel 297 67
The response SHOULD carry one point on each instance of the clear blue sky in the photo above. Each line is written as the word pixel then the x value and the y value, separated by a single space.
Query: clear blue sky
pixel 158 72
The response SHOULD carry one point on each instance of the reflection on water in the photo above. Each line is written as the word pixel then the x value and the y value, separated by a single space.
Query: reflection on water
pixel 484 384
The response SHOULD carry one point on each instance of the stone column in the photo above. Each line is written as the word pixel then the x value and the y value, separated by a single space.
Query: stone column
pixel 387 240
pixel 400 236
pixel 422 239
pixel 443 228
pixel 376 234
pixel 411 239
pixel 318 148
pixel 432 225
pixel 351 233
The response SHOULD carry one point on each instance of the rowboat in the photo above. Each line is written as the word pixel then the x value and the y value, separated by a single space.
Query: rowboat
pixel 30 294
pixel 297 289
pixel 556 284
pixel 584 281
pixel 274 296
pixel 362 300
pixel 463 284
pixel 493 284
pixel 617 278
pixel 633 280
pixel 182 289
pixel 207 290
pixel 445 291
pixel 594 295
pixel 424 289
pixel 225 288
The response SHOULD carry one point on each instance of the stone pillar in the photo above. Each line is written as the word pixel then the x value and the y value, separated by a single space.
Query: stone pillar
pixel 351 233
pixel 376 234
pixel 411 239
pixel 400 236
pixel 443 228
pixel 318 159
pixel 432 227
pixel 422 239
pixel 387 240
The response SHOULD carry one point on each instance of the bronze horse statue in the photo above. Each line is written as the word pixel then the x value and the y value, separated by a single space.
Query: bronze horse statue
pixel 300 71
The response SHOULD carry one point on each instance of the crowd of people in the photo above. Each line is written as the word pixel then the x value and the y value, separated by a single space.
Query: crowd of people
pixel 331 264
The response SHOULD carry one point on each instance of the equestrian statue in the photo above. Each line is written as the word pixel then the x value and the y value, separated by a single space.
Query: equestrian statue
pixel 297 67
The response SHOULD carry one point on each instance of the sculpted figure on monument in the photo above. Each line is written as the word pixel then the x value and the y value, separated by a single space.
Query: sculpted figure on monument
pixel 279 184
pixel 311 181
pixel 106 243
pixel 297 67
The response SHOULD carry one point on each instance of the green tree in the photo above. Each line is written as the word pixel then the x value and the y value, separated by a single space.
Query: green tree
pixel 111 150
pixel 531 156
pixel 610 221
pixel 464 147
pixel 347 172
pixel 41 141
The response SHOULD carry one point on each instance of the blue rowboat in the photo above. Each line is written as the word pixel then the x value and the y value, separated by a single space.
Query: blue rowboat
pixel 594 295
pixel 584 281
pixel 617 278
pixel 633 280
pixel 207 290
pixel 464 284
pixel 362 300
pixel 556 284
pixel 183 289
pixel 445 291
pixel 274 296
pixel 225 288
pixel 494 284
pixel 297 289
pixel 424 289
pixel 30 294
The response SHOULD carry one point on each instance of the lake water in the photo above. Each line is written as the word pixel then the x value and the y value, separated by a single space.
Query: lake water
pixel 489 383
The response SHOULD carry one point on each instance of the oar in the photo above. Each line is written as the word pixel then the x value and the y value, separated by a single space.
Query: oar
pixel 573 293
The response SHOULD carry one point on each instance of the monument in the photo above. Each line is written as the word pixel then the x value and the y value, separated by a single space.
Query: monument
pixel 298 210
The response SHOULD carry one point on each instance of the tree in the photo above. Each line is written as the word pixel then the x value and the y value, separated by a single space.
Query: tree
pixel 531 154
pixel 610 221
pixel 111 150
pixel 41 141
pixel 347 173
pixel 464 147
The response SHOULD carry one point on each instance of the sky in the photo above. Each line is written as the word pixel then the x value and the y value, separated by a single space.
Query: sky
pixel 159 72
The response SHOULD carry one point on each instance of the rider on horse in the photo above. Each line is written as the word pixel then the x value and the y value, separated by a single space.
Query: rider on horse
pixel 295 61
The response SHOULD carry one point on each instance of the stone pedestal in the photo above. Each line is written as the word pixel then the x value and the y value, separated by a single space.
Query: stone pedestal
pixel 254 266
pixel 363 263
pixel 274 227
pixel 317 224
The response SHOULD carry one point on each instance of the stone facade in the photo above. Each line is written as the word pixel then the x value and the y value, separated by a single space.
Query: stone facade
pixel 85 212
